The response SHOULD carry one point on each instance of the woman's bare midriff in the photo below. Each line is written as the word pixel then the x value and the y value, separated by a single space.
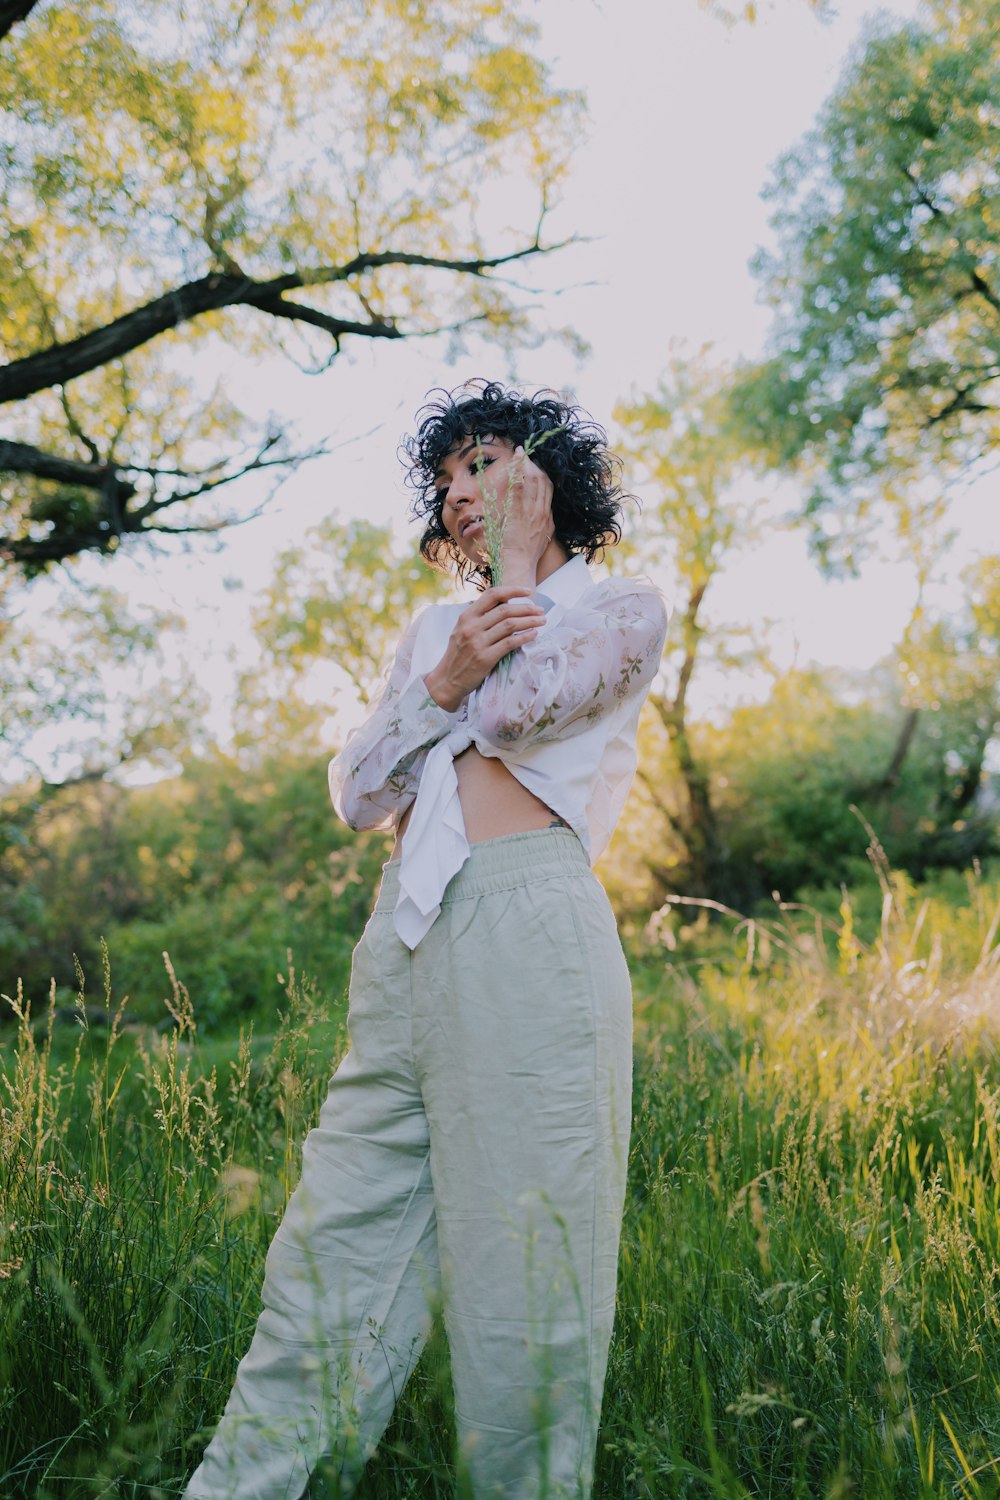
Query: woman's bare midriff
pixel 493 802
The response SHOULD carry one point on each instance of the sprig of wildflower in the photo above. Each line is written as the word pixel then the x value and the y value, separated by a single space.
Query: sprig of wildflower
pixel 496 516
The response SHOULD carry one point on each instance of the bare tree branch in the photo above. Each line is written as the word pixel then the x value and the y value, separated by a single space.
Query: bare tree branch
pixel 962 400
pixel 299 312
pixel 111 517
pixel 25 458
pixel 76 429
pixel 64 362
pixel 984 290
pixel 979 286
pixel 12 11
pixel 923 196
pixel 260 461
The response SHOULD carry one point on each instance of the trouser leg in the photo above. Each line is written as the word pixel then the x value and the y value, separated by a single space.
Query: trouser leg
pixel 525 1057
pixel 352 1270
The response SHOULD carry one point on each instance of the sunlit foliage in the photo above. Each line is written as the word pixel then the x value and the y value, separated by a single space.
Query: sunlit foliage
pixel 885 356
pixel 181 186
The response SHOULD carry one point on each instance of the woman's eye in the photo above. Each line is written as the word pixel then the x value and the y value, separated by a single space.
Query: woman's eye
pixel 483 462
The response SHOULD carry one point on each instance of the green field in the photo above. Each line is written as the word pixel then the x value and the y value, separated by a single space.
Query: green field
pixel 809 1297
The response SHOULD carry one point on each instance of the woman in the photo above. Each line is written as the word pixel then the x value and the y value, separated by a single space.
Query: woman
pixel 473 1144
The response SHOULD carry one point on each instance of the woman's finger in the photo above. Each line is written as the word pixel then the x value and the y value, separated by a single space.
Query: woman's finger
pixel 519 605
pixel 538 489
pixel 503 620
pixel 507 628
pixel 508 607
pixel 491 597
pixel 501 648
pixel 532 497
pixel 499 618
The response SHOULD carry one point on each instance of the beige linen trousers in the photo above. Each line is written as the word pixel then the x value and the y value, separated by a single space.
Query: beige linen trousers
pixel 471 1151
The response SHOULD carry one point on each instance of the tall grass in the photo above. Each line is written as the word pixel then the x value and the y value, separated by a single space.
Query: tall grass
pixel 809 1293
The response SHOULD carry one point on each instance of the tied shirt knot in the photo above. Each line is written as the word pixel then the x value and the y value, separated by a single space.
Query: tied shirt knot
pixel 435 846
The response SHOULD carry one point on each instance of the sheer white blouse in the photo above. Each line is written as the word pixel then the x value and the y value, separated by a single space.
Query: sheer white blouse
pixel 561 713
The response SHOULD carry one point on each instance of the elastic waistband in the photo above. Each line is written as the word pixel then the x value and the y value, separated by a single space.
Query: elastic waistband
pixel 500 864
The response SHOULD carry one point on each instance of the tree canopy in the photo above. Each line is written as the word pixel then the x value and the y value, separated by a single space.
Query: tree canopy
pixel 885 350
pixel 331 618
pixel 179 183
pixel 54 690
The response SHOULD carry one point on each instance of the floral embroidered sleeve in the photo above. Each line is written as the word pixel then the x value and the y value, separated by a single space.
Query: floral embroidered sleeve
pixel 375 777
pixel 595 655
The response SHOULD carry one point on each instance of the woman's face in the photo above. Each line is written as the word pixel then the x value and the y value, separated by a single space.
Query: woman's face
pixel 477 470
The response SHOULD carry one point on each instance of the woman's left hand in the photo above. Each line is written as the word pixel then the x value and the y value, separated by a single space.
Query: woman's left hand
pixel 529 528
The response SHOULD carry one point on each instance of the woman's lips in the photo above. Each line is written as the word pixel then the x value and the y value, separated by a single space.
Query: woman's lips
pixel 470 526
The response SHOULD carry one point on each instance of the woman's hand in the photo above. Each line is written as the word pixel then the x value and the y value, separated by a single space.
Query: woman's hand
pixel 529 527
pixel 498 621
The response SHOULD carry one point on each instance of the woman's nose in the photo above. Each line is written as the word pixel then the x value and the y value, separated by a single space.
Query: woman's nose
pixel 462 490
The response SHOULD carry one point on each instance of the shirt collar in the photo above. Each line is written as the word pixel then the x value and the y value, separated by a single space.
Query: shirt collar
pixel 566 584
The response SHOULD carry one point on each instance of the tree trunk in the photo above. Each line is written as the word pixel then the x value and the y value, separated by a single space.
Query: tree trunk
pixel 704 844
pixel 890 777
pixel 699 829
pixel 971 779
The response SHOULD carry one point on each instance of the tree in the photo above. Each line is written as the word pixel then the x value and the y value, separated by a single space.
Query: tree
pixel 334 612
pixel 791 771
pixel 885 349
pixel 61 734
pixel 948 674
pixel 242 176
pixel 680 441
pixel 225 868
pixel 54 699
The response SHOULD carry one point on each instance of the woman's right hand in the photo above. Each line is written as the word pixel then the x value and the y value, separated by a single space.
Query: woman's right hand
pixel 498 621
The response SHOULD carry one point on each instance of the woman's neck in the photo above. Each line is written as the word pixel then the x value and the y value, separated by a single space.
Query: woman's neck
pixel 552 559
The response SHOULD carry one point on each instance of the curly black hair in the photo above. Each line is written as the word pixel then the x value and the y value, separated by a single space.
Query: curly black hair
pixel 562 440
